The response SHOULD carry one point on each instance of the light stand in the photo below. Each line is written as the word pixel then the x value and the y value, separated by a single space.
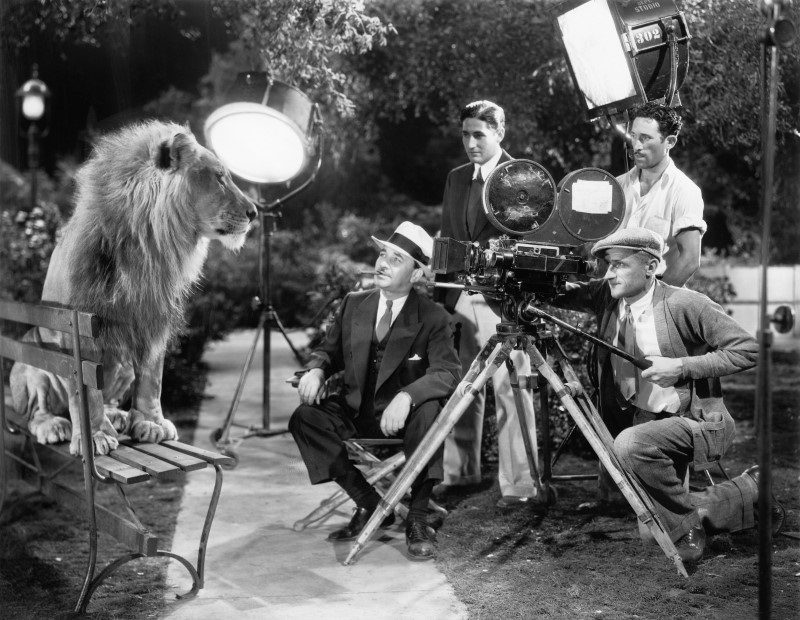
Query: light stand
pixel 247 136
pixel 33 107
pixel 778 31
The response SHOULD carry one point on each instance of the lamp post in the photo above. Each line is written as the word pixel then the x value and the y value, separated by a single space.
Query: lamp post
pixel 269 135
pixel 33 106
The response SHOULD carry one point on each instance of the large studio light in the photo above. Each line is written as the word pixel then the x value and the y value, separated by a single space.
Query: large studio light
pixel 265 135
pixel 270 134
pixel 623 53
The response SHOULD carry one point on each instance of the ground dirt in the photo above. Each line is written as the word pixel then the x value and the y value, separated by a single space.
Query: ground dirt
pixel 513 563
pixel 44 548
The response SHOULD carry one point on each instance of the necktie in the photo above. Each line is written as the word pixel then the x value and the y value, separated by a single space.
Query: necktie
pixel 625 371
pixel 474 204
pixel 385 322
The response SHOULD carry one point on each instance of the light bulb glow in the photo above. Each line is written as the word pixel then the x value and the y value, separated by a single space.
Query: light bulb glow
pixel 256 142
pixel 33 106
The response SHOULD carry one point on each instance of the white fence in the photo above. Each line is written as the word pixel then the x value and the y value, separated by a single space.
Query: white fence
pixel 783 288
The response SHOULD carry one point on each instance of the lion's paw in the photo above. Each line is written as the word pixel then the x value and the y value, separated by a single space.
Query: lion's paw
pixel 103 443
pixel 48 428
pixel 149 430
pixel 117 417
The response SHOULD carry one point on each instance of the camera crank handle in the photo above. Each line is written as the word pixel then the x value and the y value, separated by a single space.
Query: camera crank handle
pixel 639 362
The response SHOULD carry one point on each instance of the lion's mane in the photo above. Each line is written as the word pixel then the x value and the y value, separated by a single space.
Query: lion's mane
pixel 132 243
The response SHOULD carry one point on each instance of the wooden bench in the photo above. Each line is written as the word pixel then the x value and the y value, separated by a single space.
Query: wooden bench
pixel 131 463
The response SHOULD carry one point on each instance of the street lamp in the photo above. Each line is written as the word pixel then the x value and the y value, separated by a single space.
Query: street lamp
pixel 34 110
pixel 271 135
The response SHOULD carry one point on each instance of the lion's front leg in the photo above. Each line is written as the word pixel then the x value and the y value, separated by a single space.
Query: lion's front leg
pixel 147 420
pixel 104 437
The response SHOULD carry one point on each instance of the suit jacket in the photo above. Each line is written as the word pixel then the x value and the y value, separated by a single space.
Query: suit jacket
pixel 454 219
pixel 419 357
pixel 689 326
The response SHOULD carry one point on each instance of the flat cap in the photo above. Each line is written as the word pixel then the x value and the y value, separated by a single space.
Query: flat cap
pixel 632 239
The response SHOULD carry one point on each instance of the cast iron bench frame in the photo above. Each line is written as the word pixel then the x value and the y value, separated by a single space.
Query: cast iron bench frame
pixel 131 463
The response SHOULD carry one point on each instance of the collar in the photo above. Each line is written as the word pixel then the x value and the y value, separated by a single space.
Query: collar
pixel 397 305
pixel 639 306
pixel 487 168
pixel 664 178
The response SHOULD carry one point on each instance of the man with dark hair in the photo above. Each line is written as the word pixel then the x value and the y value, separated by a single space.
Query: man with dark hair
pixel 396 350
pixel 671 414
pixel 660 197
pixel 463 218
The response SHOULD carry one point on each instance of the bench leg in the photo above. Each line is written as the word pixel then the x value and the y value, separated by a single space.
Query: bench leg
pixel 196 573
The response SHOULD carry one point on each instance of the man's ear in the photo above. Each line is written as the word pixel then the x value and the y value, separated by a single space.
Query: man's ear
pixel 671 141
pixel 419 275
pixel 652 267
pixel 501 133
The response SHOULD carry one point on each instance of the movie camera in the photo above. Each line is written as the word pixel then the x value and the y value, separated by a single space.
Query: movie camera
pixel 546 231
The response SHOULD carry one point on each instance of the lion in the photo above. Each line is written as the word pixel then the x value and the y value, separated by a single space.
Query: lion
pixel 148 201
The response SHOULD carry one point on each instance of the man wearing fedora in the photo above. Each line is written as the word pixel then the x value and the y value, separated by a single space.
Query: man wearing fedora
pixel 463 218
pixel 672 414
pixel 396 350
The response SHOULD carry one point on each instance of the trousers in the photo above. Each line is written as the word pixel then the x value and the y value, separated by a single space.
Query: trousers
pixel 659 453
pixel 320 430
pixel 462 448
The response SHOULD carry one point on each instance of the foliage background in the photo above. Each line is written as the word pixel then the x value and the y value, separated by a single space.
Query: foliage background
pixel 390 78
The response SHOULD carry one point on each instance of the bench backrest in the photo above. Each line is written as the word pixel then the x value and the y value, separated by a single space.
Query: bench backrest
pixel 47 356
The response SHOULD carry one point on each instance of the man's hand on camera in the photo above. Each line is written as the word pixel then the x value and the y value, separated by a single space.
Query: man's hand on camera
pixel 395 414
pixel 665 371
pixel 310 386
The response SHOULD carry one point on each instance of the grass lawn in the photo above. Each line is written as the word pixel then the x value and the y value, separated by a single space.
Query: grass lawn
pixel 516 564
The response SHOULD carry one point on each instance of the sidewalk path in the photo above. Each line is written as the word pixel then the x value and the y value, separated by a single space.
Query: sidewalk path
pixel 256 565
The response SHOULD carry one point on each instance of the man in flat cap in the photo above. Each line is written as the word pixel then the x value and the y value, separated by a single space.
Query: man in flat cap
pixel 400 366
pixel 671 414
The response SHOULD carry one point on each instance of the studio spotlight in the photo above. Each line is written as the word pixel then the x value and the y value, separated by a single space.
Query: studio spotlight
pixel 270 134
pixel 622 53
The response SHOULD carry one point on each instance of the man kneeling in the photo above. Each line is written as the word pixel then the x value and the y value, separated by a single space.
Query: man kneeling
pixel 671 414
pixel 396 350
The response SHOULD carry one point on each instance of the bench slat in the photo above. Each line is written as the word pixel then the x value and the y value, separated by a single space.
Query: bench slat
pixel 206 455
pixel 159 469
pixel 124 530
pixel 120 472
pixel 184 461
pixel 53 361
pixel 50 317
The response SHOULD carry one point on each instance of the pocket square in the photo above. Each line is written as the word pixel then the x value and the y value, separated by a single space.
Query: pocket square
pixel 414 358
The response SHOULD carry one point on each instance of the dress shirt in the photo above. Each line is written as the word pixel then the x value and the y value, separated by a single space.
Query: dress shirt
pixel 650 397
pixel 673 204
pixel 397 306
pixel 487 168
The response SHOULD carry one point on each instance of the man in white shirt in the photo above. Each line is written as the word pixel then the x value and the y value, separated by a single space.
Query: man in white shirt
pixel 463 218
pixel 660 197
pixel 400 366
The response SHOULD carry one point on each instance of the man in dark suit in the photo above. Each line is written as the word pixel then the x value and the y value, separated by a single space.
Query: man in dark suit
pixel 396 350
pixel 463 218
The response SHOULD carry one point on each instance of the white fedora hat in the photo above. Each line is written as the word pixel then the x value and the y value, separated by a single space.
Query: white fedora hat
pixel 411 240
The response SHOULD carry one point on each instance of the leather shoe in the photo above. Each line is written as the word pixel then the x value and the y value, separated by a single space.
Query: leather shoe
pixel 420 539
pixel 357 523
pixel 778 512
pixel 691 546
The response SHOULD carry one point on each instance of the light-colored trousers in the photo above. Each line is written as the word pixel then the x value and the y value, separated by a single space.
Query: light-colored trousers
pixel 462 448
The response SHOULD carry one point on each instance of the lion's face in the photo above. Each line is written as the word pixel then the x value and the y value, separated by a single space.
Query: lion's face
pixel 224 209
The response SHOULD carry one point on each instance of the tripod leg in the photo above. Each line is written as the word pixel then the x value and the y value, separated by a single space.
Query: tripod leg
pixel 602 444
pixel 277 320
pixel 448 416
pixel 221 436
pixel 524 413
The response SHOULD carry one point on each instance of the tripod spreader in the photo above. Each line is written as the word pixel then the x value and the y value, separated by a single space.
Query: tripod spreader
pixel 531 309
